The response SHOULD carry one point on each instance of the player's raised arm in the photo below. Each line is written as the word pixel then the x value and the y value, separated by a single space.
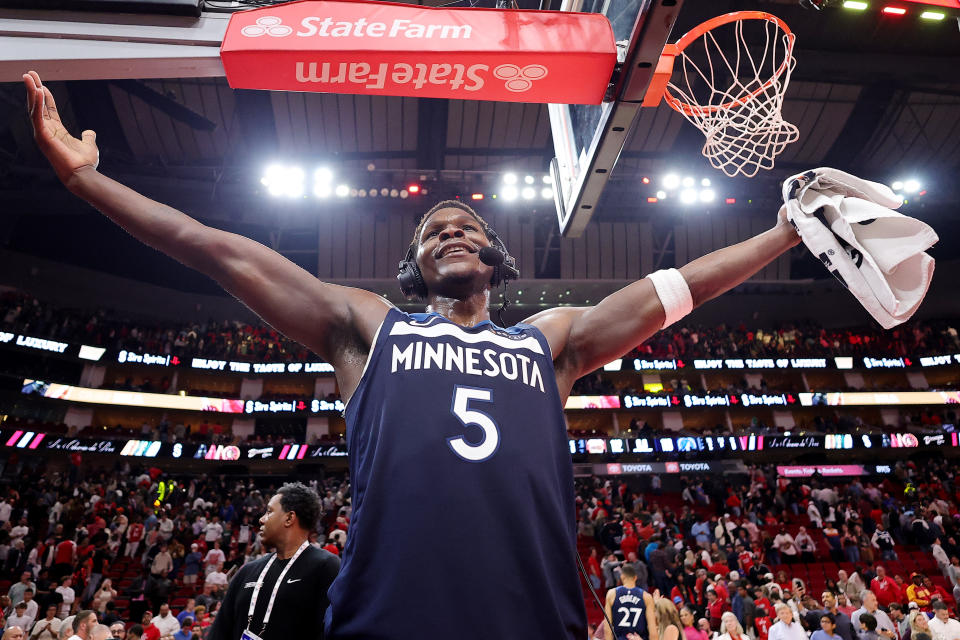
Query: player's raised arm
pixel 584 339
pixel 321 316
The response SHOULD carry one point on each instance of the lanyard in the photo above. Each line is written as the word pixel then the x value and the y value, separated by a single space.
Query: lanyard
pixel 276 587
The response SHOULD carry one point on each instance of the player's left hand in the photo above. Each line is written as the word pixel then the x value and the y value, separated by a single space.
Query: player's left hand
pixel 785 225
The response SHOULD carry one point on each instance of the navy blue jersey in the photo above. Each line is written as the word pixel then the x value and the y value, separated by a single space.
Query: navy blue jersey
pixel 462 489
pixel 629 612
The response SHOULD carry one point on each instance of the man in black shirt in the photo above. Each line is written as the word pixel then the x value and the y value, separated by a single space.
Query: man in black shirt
pixel 301 600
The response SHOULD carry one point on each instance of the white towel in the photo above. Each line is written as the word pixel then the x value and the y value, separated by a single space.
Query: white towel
pixel 874 251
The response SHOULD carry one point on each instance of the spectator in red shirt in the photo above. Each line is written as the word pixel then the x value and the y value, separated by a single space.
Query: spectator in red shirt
pixel 762 623
pixel 760 600
pixel 593 569
pixel 150 632
pixel 629 543
pixel 134 536
pixel 885 588
pixel 935 589
pixel 745 559
pixel 721 588
pixel 718 566
pixel 64 557
pixel 97 525
pixel 715 608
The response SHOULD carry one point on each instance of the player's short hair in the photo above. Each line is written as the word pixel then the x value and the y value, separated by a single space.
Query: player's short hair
pixel 628 571
pixel 869 621
pixel 445 204
pixel 302 500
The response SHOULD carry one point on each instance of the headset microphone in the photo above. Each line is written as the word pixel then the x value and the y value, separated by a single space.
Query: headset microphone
pixel 491 256
pixel 496 256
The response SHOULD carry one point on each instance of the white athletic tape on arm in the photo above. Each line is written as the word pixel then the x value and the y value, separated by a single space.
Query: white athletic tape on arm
pixel 674 294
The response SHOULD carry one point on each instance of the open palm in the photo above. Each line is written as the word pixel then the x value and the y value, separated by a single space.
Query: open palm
pixel 66 153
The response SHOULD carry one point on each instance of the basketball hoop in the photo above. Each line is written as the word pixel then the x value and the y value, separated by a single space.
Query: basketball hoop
pixel 735 99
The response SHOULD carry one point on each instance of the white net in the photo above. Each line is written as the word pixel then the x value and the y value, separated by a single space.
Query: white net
pixel 736 99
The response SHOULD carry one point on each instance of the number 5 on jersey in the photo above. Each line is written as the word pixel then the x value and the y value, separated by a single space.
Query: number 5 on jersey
pixel 471 417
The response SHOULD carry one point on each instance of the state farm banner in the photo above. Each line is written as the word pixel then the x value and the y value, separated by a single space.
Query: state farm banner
pixel 384 48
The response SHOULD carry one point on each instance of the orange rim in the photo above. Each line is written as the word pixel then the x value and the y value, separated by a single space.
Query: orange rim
pixel 699 31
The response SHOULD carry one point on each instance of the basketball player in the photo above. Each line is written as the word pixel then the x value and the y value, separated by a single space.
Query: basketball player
pixel 455 427
pixel 631 610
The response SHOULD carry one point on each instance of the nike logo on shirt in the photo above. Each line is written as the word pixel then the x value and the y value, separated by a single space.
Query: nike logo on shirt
pixel 291 581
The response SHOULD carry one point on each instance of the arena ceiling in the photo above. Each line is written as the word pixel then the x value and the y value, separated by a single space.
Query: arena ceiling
pixel 877 97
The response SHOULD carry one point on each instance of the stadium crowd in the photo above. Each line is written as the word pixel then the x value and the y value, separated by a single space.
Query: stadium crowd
pixel 736 555
pixel 775 558
pixel 23 313
pixel 111 547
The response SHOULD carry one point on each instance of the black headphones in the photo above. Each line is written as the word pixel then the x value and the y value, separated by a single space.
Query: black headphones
pixel 504 268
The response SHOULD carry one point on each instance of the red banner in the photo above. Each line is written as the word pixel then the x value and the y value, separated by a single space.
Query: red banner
pixel 384 48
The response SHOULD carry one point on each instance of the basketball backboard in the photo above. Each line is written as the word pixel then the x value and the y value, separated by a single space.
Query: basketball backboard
pixel 588 139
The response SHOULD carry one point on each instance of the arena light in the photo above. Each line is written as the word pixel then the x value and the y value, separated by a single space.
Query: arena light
pixel 413 189
pixel 707 195
pixel 362 193
pixel 546 193
pixel 404 193
pixel 322 190
pixel 282 180
pixel 547 179
pixel 855 5
pixel 384 192
pixel 688 196
pixel 705 182
pixel 528 193
pixel 731 201
pixel 671 181
pixel 509 178
pixel 528 179
pixel 932 15
pixel 645 180
pixel 894 11
pixel 342 191
pixel 476 196
pixel 271 174
pixel 911 186
pixel 687 182
pixel 510 192
pixel 651 200
pixel 394 193
pixel 897 185
pixel 294 182
pixel 661 195
pixel 322 176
